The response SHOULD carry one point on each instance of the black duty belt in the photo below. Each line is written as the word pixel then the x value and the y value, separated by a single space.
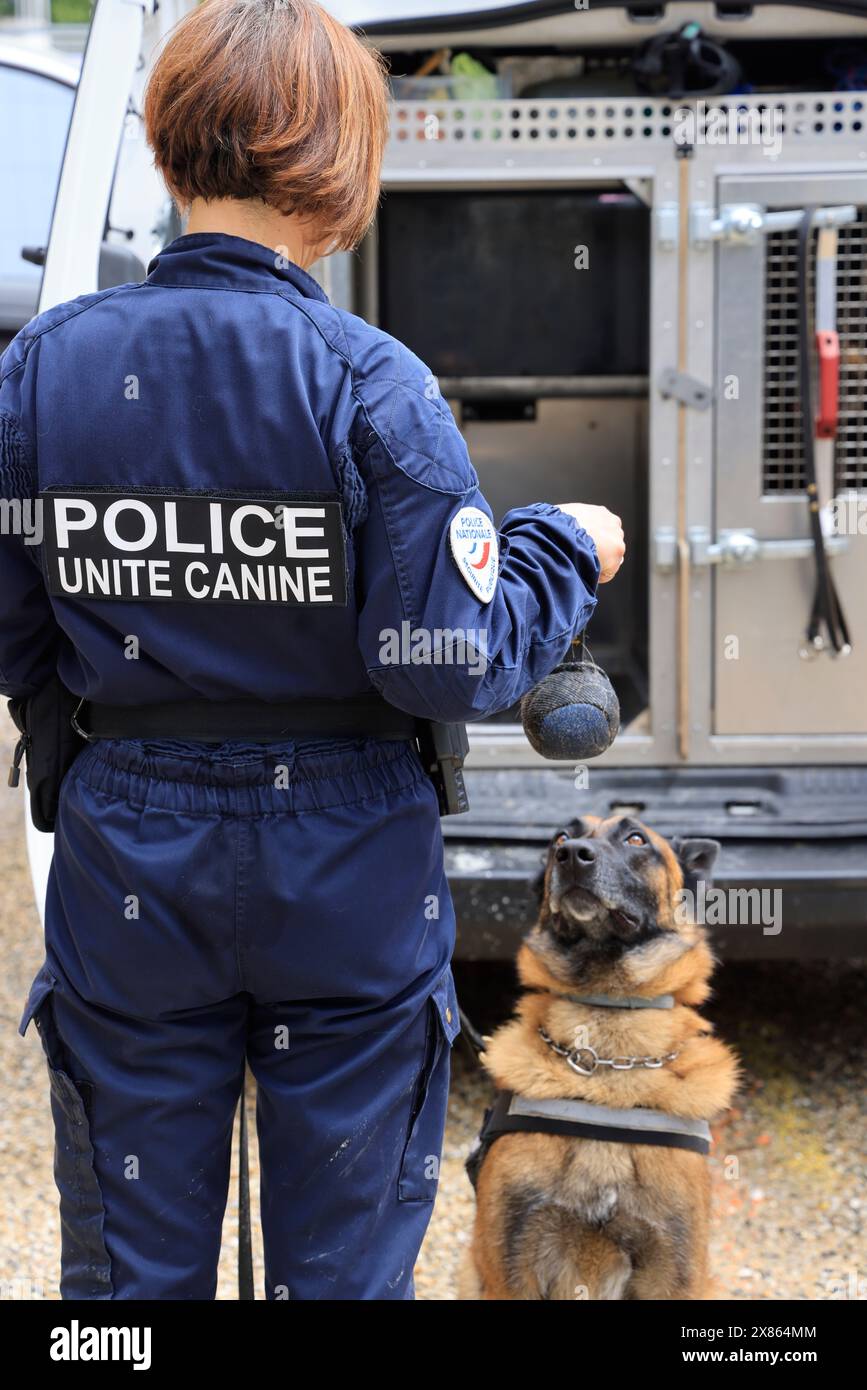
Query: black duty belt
pixel 223 721
pixel 442 747
pixel 513 1114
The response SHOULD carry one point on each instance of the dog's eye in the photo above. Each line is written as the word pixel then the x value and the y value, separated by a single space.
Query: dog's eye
pixel 561 838
pixel 634 838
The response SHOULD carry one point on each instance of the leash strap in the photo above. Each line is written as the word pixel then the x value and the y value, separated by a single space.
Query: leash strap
pixel 246 1292
pixel 578 1119
pixel 471 1033
pixel 826 608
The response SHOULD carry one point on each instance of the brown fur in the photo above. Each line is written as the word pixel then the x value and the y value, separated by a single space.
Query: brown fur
pixel 567 1218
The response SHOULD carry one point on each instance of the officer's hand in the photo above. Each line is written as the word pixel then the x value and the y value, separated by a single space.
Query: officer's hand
pixel 607 533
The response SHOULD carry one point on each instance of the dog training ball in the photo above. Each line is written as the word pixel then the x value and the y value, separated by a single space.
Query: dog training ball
pixel 573 713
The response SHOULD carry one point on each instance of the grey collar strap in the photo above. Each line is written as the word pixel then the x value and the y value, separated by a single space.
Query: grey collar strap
pixel 629 1001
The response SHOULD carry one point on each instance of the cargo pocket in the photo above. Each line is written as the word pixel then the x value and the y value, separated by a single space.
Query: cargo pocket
pixel 419 1169
pixel 86 1266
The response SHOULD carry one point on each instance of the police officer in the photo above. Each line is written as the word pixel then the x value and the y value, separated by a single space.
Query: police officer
pixel 249 499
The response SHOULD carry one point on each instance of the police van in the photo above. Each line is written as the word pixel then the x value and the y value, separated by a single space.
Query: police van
pixel 629 240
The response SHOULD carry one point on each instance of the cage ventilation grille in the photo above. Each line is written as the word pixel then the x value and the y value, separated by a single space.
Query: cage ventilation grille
pixel 782 444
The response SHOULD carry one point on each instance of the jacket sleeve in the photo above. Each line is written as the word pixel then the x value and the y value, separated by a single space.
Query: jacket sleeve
pixel 430 645
pixel 29 635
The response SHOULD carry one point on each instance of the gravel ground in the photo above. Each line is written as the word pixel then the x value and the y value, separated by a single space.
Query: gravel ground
pixel 789 1162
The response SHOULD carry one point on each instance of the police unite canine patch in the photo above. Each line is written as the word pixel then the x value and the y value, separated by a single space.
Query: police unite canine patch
pixel 195 547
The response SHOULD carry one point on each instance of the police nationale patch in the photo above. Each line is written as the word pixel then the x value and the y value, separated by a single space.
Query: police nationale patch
pixel 473 540
pixel 194 547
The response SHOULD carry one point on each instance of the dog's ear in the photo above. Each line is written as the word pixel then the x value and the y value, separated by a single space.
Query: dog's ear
pixel 696 858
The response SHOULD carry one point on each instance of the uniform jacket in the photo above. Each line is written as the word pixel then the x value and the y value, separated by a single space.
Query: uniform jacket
pixel 228 374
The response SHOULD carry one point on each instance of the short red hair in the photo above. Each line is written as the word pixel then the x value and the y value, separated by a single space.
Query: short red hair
pixel 276 100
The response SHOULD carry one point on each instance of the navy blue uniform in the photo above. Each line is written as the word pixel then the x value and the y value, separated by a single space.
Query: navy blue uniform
pixel 248 493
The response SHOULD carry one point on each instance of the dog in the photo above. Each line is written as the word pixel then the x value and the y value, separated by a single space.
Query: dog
pixel 614 970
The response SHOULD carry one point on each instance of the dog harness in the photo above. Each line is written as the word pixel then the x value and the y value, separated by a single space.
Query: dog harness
pixel 513 1114
pixel 580 1119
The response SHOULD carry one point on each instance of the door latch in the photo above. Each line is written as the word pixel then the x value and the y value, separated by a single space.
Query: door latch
pixel 742 224
pixel 743 547
pixel 734 548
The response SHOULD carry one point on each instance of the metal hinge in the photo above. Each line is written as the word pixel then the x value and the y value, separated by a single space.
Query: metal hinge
pixel 667 226
pixel 686 389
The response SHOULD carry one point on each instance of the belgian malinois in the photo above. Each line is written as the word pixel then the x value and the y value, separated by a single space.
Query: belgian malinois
pixel 561 1217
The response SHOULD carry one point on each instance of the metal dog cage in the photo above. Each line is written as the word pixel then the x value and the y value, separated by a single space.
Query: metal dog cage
pixel 734 299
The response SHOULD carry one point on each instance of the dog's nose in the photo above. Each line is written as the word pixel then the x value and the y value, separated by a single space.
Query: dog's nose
pixel 580 854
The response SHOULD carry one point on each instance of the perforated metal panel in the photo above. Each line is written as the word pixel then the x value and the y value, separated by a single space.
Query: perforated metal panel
pixel 561 122
pixel 782 443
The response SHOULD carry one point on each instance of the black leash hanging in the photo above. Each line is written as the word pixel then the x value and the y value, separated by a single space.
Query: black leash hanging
pixel 826 608
pixel 471 1035
pixel 245 1238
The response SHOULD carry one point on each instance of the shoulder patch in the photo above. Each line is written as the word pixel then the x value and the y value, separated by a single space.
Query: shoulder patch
pixel 473 541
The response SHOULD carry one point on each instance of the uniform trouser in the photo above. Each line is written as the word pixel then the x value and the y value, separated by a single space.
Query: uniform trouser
pixel 284 906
